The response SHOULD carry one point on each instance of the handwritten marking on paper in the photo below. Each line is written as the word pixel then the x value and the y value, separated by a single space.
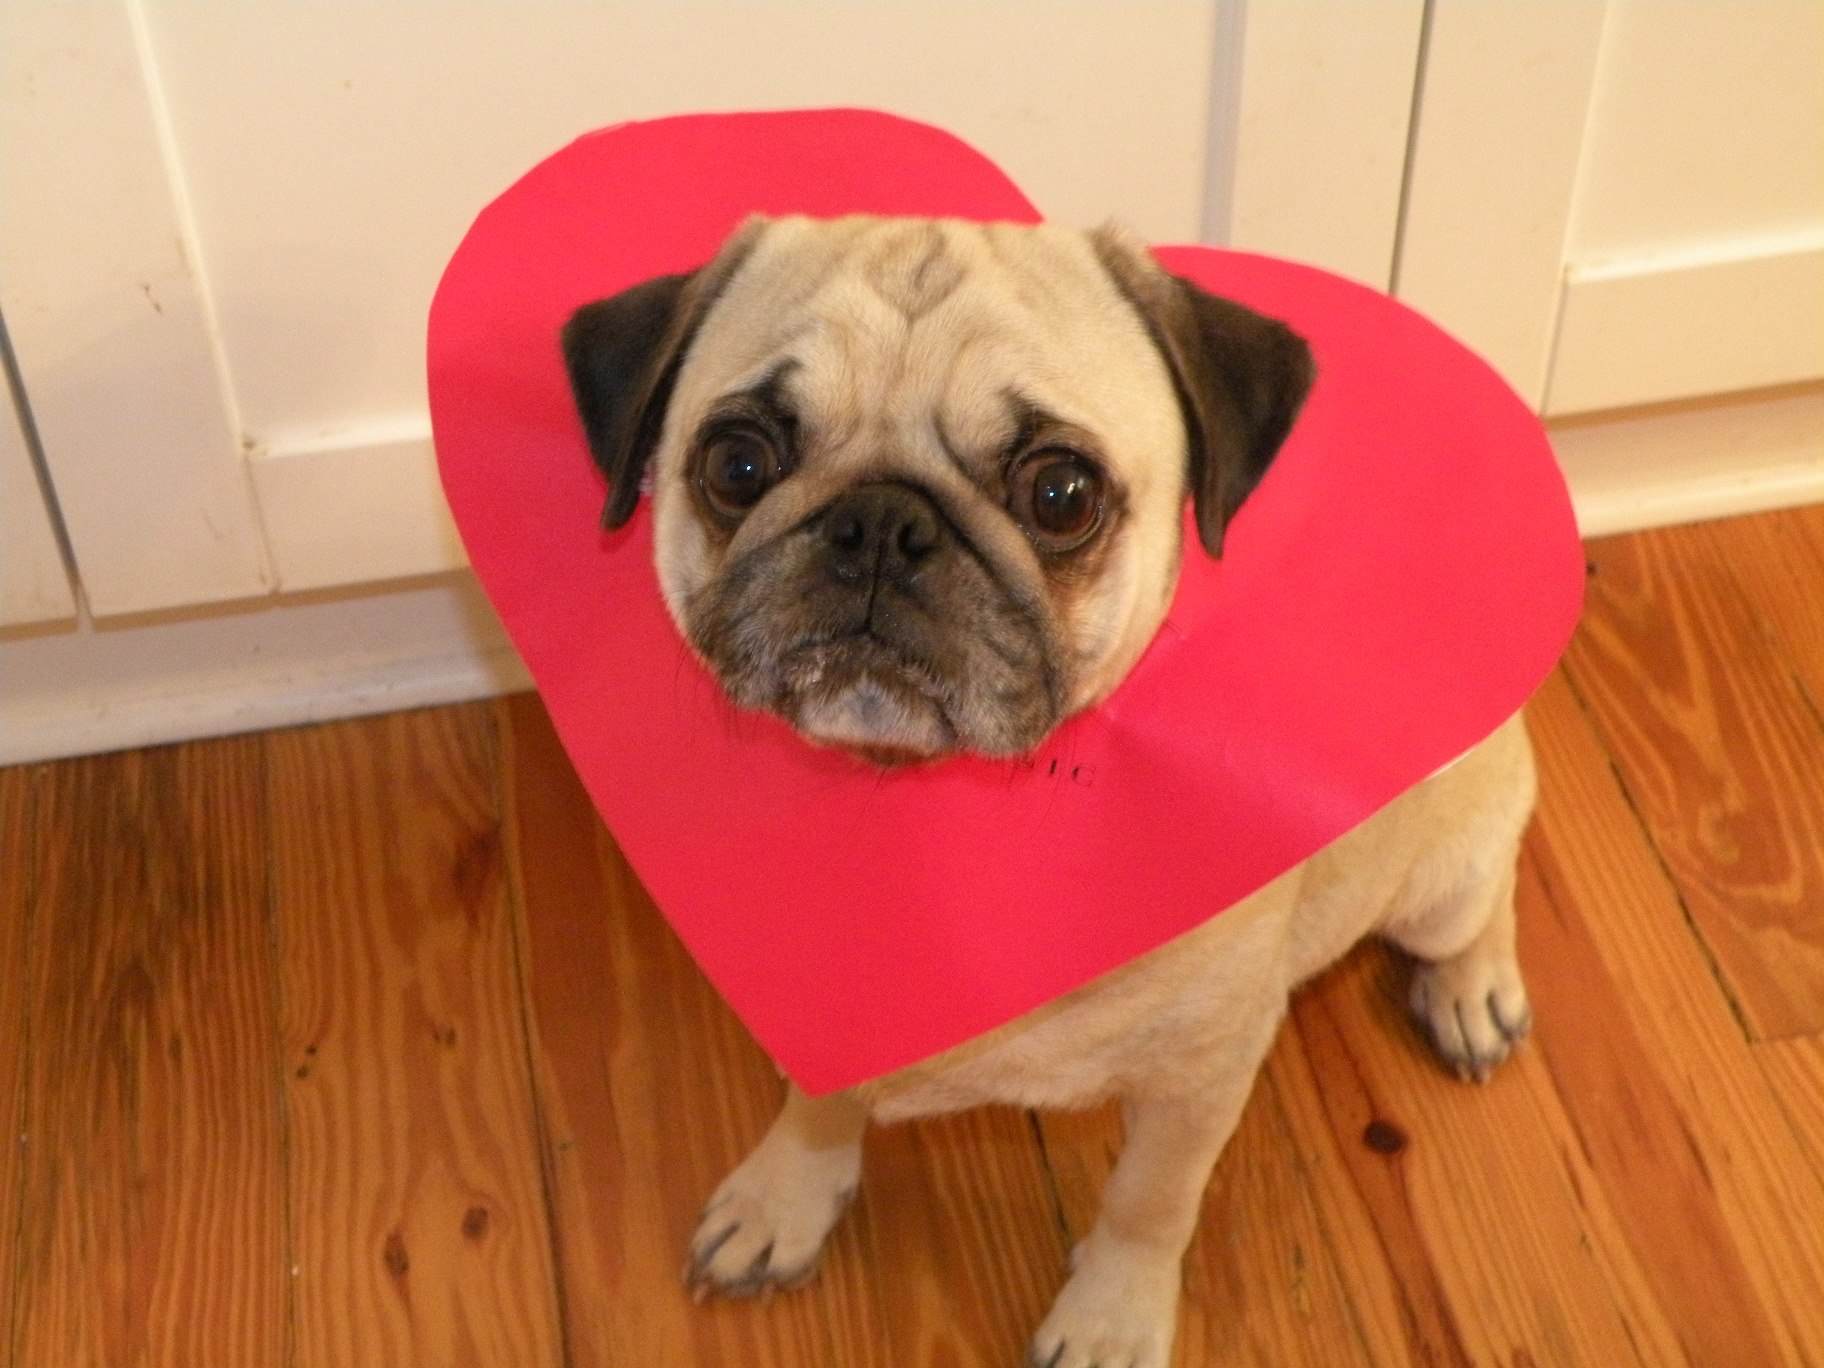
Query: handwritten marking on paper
pixel 1057 770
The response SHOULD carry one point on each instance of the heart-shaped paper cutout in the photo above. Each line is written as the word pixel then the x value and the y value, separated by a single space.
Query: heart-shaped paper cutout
pixel 1403 579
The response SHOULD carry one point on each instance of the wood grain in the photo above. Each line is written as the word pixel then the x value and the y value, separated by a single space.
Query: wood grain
pixel 1794 1070
pixel 1805 522
pixel 1642 1162
pixel 152 1198
pixel 651 1091
pixel 1603 866
pixel 1778 560
pixel 362 1045
pixel 966 1248
pixel 420 1234
pixel 1707 724
pixel 1449 1167
pixel 1265 1282
pixel 1390 1315
pixel 22 813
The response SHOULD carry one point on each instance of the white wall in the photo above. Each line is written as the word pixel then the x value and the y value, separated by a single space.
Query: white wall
pixel 224 222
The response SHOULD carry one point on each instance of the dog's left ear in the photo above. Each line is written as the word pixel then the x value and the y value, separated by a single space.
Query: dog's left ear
pixel 624 353
pixel 1241 378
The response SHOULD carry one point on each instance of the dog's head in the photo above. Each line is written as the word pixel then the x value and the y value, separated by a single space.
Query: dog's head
pixel 918 485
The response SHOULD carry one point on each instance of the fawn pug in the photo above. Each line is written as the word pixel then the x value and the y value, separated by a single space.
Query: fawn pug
pixel 918 488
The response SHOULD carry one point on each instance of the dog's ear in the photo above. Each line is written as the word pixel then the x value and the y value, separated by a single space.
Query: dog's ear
pixel 1241 379
pixel 624 353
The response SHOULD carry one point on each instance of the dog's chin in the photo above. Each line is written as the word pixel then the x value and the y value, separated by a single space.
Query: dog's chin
pixel 861 696
pixel 889 702
pixel 879 718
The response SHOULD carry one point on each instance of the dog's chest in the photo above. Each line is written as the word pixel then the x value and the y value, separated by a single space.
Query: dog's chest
pixel 1167 1017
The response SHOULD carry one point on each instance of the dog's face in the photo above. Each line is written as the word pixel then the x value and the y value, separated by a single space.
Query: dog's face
pixel 918 485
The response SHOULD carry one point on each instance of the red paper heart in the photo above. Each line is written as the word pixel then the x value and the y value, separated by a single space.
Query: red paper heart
pixel 1402 580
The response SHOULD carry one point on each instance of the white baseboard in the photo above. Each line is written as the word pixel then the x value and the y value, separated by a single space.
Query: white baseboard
pixel 1602 512
pixel 311 657
pixel 1685 462
pixel 88 689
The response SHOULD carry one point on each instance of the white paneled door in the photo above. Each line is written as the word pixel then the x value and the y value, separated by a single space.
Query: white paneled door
pixel 33 585
pixel 1622 203
pixel 223 223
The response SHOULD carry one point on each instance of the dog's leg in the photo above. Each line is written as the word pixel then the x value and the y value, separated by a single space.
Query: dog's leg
pixel 1120 1306
pixel 765 1226
pixel 1467 994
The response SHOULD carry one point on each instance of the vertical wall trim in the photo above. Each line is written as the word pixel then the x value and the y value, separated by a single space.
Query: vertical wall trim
pixel 1310 121
pixel 1412 146
pixel 1555 336
pixel 1495 161
pixel 1223 125
pixel 184 212
pixel 34 450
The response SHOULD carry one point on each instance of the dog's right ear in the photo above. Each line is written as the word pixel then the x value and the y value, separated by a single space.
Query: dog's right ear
pixel 624 353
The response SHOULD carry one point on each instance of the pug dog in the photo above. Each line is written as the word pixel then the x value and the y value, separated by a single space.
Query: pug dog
pixel 918 489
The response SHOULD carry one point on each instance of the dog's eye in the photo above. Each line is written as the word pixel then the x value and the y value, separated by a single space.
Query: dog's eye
pixel 1057 496
pixel 738 468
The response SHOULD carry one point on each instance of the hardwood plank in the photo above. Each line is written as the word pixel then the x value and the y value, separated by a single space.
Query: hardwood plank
pixel 153 1194
pixel 22 816
pixel 1807 521
pixel 1794 1070
pixel 1633 1131
pixel 1263 1283
pixel 1392 1318
pixel 1471 1190
pixel 1778 559
pixel 420 1228
pixel 1719 750
pixel 965 1244
pixel 1642 1184
pixel 654 1091
pixel 651 1091
pixel 1766 1193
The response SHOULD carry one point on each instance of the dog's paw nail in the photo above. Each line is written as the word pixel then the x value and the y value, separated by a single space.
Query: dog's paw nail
pixel 755 1276
pixel 1513 1031
pixel 771 1216
pixel 1118 1310
pixel 1474 1010
pixel 696 1268
pixel 707 1251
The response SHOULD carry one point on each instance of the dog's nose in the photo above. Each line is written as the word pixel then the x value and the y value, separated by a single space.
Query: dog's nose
pixel 889 529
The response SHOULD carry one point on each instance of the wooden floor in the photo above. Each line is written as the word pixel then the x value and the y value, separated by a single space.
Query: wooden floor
pixel 359 1045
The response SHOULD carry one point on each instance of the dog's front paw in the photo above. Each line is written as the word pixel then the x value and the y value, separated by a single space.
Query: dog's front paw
pixel 1474 1008
pixel 765 1227
pixel 1119 1310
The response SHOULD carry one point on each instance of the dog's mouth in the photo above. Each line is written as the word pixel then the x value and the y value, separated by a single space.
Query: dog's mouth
pixel 863 695
pixel 948 662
